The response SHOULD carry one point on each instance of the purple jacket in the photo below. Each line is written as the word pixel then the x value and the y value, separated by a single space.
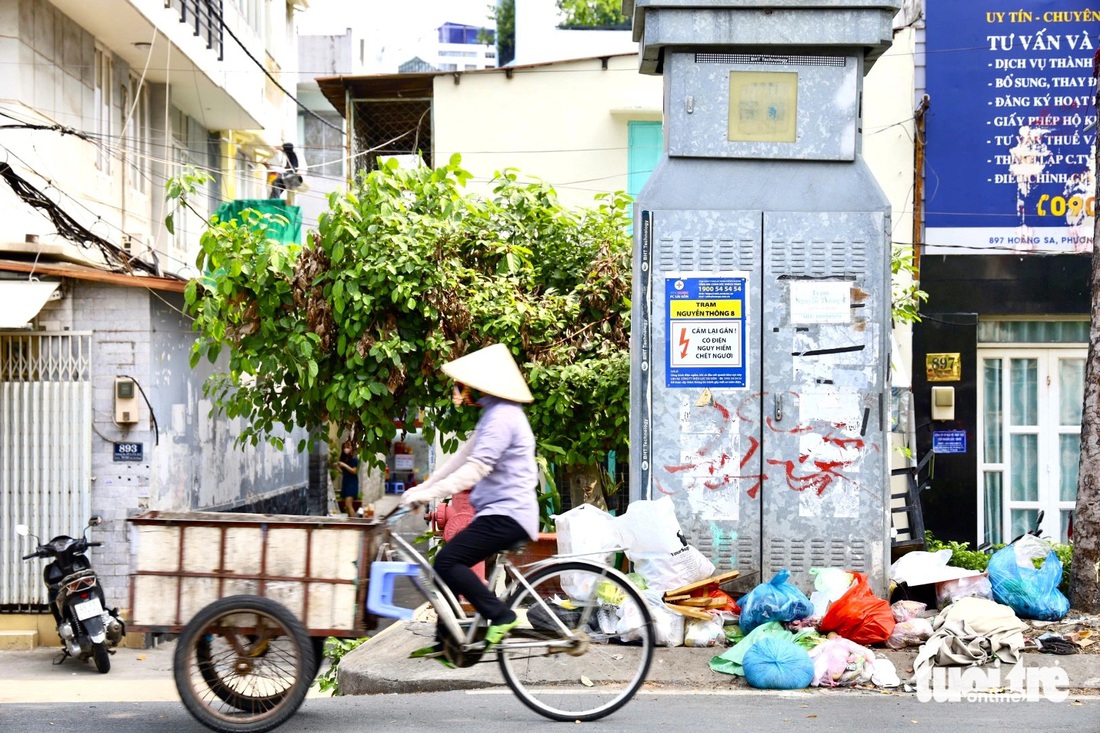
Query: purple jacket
pixel 503 441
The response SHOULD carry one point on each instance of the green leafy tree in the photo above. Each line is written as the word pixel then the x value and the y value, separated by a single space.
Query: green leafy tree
pixel 593 14
pixel 503 15
pixel 906 295
pixel 405 272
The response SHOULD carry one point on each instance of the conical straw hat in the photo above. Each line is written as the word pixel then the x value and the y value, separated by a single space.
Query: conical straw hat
pixel 491 370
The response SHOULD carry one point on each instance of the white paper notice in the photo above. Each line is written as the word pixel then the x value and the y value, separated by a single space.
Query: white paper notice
pixel 820 302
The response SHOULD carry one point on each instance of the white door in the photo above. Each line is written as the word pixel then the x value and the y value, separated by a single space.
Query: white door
pixel 1029 439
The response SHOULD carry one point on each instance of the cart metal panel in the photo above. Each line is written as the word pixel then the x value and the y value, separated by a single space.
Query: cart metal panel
pixel 318 567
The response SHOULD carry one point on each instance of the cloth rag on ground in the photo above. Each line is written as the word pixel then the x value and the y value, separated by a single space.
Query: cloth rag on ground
pixel 971 632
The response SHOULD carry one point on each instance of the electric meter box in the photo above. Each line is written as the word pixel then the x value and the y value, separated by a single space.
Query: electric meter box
pixel 126 401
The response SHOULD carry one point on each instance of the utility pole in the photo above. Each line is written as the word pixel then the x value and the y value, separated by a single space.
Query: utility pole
pixel 1085 575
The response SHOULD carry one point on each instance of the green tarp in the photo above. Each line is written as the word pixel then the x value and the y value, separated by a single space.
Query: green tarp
pixel 289 232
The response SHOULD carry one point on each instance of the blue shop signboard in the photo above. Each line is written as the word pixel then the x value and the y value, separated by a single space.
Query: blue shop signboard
pixel 705 325
pixel 1010 126
pixel 949 441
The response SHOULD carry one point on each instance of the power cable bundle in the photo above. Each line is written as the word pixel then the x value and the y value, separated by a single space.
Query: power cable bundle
pixel 71 229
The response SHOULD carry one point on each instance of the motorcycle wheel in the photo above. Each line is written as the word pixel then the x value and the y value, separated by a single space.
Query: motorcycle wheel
pixel 101 657
pixel 243 664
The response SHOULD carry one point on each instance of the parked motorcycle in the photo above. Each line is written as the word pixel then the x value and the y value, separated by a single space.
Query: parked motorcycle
pixel 88 629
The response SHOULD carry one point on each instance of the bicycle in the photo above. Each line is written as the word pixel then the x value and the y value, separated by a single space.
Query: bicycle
pixel 566 659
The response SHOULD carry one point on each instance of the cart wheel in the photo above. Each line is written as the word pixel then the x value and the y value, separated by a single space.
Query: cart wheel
pixel 243 664
pixel 318 655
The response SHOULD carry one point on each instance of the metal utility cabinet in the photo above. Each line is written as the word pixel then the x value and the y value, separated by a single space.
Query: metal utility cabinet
pixel 761 324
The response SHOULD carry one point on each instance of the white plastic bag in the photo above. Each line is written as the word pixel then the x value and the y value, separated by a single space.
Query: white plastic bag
pixel 668 570
pixel 654 543
pixel 829 585
pixel 668 626
pixel 650 526
pixel 976 586
pixel 885 673
pixel 920 568
pixel 590 531
pixel 911 632
pixel 698 632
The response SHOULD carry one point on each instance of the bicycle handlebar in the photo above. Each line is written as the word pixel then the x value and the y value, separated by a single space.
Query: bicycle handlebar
pixel 398 512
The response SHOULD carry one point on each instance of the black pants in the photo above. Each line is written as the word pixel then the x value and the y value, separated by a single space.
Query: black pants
pixel 486 536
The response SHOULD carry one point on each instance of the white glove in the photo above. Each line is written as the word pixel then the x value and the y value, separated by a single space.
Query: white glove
pixel 462 478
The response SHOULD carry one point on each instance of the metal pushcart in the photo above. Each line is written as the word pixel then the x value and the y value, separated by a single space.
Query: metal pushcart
pixel 252 598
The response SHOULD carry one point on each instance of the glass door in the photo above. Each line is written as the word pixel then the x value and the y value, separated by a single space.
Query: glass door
pixel 1029 438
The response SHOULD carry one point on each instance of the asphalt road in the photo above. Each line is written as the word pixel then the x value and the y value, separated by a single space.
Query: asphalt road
pixel 499 712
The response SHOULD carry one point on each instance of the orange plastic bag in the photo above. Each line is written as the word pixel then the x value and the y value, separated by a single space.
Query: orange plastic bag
pixel 859 615
pixel 731 605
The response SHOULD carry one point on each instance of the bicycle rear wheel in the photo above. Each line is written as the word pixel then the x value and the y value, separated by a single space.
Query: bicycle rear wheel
pixel 583 673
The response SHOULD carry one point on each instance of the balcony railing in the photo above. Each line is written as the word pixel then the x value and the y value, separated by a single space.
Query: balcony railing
pixel 204 17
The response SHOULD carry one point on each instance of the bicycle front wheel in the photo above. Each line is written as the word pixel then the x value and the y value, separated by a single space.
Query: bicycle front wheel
pixel 583 645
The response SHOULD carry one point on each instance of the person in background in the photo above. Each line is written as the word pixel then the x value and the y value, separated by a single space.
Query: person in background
pixel 498 462
pixel 348 464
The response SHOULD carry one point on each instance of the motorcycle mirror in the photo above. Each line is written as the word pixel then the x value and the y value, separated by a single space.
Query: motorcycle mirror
pixel 95 521
pixel 22 530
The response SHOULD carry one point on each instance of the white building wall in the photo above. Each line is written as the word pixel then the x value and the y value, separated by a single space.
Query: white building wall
pixel 888 134
pixel 190 461
pixel 565 123
pixel 50 81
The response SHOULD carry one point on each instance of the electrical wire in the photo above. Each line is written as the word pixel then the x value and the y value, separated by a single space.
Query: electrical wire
pixel 152 412
pixel 70 228
pixel 267 73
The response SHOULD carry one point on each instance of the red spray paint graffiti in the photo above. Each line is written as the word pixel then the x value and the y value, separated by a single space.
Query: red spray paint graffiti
pixel 816 468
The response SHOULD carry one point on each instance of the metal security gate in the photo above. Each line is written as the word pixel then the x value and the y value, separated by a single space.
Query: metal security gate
pixel 45 451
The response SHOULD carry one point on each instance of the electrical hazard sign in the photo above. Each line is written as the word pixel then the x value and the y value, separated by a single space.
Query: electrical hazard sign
pixel 705 320
pixel 699 343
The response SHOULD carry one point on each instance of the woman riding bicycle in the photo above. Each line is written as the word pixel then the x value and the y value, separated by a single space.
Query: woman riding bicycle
pixel 498 462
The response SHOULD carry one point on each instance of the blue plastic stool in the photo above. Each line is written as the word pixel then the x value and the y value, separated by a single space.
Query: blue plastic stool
pixel 380 593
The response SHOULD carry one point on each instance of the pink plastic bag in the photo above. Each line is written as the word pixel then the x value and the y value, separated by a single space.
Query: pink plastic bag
pixel 839 662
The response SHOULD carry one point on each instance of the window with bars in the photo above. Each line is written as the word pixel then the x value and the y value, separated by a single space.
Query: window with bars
pixel 324 145
pixel 389 127
pixel 135 111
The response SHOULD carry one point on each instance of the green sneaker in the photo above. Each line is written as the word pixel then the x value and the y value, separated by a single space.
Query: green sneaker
pixel 495 633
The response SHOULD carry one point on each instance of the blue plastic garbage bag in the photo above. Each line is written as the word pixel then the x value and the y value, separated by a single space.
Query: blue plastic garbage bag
pixel 776 600
pixel 1029 591
pixel 774 663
